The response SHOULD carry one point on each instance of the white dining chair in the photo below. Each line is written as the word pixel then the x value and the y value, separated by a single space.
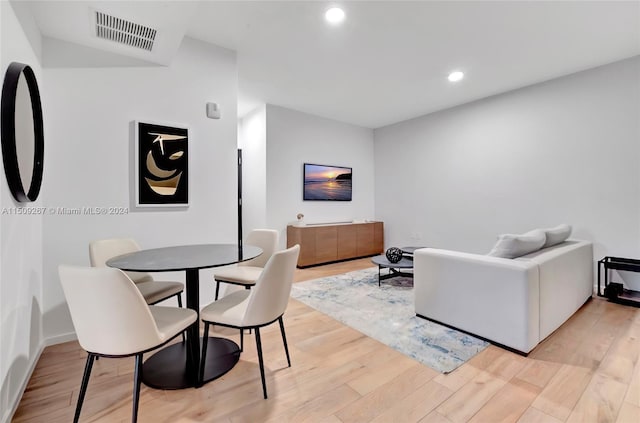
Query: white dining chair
pixel 247 272
pixel 153 291
pixel 255 308
pixel 112 319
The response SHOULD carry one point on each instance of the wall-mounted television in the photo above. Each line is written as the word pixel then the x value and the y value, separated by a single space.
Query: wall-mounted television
pixel 326 183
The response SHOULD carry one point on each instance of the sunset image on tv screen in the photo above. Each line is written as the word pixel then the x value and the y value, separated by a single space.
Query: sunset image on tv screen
pixel 327 183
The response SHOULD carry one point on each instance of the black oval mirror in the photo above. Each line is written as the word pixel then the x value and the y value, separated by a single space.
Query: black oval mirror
pixel 22 132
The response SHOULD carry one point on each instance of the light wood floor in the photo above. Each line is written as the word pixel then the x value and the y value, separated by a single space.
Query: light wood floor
pixel 587 371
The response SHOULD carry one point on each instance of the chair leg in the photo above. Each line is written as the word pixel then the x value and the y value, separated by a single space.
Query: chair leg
pixel 83 386
pixel 137 380
pixel 248 287
pixel 284 339
pixel 203 357
pixel 259 345
pixel 179 297
pixel 217 290
pixel 241 340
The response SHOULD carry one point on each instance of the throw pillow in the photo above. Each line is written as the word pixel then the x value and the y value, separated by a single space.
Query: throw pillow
pixel 556 235
pixel 512 245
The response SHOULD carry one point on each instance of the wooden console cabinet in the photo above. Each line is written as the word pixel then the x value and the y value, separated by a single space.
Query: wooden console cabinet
pixel 327 243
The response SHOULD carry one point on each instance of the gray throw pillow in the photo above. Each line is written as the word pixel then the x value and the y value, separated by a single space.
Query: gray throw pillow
pixel 556 235
pixel 512 245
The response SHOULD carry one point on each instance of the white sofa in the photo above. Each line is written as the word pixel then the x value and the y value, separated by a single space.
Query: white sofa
pixel 514 303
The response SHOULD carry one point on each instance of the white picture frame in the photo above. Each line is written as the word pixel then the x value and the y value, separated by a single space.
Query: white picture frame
pixel 161 164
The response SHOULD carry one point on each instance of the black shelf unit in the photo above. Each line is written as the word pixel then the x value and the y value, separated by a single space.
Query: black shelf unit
pixel 615 291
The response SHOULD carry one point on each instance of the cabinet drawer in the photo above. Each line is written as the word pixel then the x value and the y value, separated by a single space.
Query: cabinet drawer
pixel 364 240
pixel 326 243
pixel 347 244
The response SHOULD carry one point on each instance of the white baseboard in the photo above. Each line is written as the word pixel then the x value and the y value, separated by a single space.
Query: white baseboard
pixel 8 414
pixel 59 339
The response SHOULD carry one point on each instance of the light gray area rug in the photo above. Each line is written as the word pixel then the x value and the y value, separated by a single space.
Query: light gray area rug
pixel 387 314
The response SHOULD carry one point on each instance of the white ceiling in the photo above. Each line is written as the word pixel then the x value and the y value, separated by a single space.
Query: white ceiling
pixel 74 22
pixel 388 61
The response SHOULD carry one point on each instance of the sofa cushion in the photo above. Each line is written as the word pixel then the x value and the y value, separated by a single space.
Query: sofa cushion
pixel 513 245
pixel 556 235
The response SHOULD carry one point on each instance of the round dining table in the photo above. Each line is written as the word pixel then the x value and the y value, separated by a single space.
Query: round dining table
pixel 176 366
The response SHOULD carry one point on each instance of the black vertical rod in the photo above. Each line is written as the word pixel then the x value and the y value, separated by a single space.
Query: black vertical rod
pixel 137 380
pixel 599 265
pixel 203 357
pixel 83 386
pixel 193 331
pixel 284 340
pixel 179 297
pixel 240 198
pixel 261 362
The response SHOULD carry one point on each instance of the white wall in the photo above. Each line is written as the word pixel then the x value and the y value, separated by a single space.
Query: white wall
pixel 253 142
pixel 20 240
pixel 566 150
pixel 89 113
pixel 294 138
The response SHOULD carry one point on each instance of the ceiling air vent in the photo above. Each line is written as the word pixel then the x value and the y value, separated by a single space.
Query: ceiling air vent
pixel 124 32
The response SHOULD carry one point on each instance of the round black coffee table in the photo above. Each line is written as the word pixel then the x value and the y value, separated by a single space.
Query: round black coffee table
pixel 394 268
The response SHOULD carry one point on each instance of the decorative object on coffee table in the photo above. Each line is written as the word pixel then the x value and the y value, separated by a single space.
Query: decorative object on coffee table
pixel 407 252
pixel 395 269
pixel 394 254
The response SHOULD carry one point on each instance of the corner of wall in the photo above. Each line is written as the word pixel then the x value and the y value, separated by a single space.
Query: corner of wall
pixel 29 26
pixel 12 403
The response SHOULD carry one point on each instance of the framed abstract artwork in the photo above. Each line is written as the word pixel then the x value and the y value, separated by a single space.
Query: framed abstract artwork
pixel 161 165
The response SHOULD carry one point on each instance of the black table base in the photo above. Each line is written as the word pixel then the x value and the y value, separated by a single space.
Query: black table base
pixel 393 273
pixel 167 368
pixel 395 269
pixel 176 366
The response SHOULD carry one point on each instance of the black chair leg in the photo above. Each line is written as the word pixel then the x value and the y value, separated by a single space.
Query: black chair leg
pixel 137 380
pixel 241 340
pixel 217 290
pixel 203 357
pixel 179 297
pixel 83 386
pixel 259 345
pixel 248 287
pixel 284 339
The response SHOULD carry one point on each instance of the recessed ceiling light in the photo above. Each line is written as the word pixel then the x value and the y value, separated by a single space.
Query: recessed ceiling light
pixel 456 76
pixel 334 16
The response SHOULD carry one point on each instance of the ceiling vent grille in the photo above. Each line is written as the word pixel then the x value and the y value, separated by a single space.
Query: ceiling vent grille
pixel 125 32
